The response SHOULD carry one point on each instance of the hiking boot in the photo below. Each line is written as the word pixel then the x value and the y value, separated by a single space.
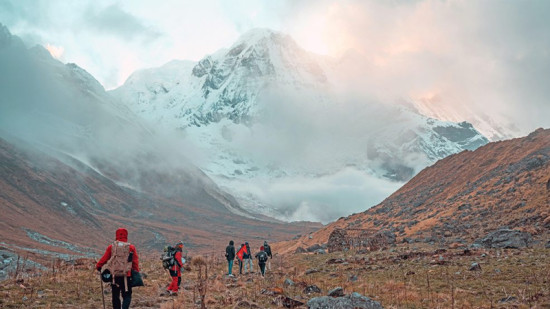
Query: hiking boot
pixel 173 293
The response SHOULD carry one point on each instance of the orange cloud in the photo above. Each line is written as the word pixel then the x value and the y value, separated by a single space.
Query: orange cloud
pixel 55 51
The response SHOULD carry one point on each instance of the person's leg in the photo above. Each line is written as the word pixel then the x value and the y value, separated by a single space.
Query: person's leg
pixel 126 297
pixel 250 261
pixel 240 267
pixel 245 261
pixel 179 281
pixel 262 268
pixel 116 295
pixel 229 266
pixel 174 284
pixel 269 264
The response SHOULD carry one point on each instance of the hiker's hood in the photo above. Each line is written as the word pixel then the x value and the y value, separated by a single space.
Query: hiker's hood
pixel 122 235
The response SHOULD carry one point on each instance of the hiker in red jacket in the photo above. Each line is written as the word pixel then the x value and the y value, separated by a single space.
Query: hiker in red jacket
pixel 128 252
pixel 175 271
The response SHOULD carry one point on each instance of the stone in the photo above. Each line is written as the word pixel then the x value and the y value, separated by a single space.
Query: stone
pixel 288 282
pixel 508 299
pixel 312 271
pixel 312 289
pixel 320 251
pixel 475 267
pixel 300 250
pixel 353 278
pixel 314 248
pixel 287 302
pixel 505 238
pixel 336 292
pixel 354 300
pixel 335 261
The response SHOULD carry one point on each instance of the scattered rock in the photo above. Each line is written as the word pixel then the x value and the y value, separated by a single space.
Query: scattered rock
pixel 353 278
pixel 272 291
pixel 355 300
pixel 300 250
pixel 508 299
pixel 246 304
pixel 475 267
pixel 335 261
pixel 312 289
pixel 314 248
pixel 505 238
pixel 336 292
pixel 320 251
pixel 286 302
pixel 312 271
pixel 288 282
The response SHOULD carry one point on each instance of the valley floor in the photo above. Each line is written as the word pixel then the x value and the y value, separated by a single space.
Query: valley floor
pixel 405 276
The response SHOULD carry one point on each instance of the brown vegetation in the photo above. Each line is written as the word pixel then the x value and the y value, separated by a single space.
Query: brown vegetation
pixel 403 277
pixel 463 196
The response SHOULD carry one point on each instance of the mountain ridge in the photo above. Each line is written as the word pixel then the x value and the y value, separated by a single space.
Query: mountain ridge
pixel 463 196
pixel 252 108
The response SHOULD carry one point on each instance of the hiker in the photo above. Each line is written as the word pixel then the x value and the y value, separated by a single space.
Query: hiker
pixel 240 255
pixel 175 271
pixel 262 259
pixel 230 256
pixel 120 258
pixel 267 250
pixel 247 258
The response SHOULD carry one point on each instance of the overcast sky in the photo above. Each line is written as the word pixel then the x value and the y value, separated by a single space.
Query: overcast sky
pixel 492 55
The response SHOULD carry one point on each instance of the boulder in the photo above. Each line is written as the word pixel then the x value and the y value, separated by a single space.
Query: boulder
pixel 337 241
pixel 475 267
pixel 314 248
pixel 287 302
pixel 300 250
pixel 336 292
pixel 288 282
pixel 320 251
pixel 505 238
pixel 312 289
pixel 354 300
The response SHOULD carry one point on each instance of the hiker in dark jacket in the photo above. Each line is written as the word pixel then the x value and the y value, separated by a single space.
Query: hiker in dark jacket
pixel 267 250
pixel 247 258
pixel 262 258
pixel 175 271
pixel 120 285
pixel 230 256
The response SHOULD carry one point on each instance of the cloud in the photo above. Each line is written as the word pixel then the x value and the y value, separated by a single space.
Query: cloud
pixel 115 21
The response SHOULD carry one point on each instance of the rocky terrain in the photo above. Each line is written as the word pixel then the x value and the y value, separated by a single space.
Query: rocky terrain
pixel 401 276
pixel 461 198
pixel 75 165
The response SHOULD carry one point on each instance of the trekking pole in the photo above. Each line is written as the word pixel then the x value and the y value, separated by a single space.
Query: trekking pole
pixel 102 296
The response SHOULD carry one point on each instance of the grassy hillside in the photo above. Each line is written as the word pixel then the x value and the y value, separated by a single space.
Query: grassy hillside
pixel 404 276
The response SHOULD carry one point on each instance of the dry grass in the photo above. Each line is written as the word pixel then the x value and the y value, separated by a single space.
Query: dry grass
pixel 424 281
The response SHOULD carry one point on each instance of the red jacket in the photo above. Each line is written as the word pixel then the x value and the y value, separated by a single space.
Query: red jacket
pixel 121 235
pixel 177 266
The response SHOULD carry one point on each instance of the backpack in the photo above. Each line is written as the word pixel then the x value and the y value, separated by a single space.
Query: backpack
pixel 120 262
pixel 262 257
pixel 168 257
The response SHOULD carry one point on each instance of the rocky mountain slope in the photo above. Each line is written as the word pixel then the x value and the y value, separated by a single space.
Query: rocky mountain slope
pixel 464 196
pixel 75 164
pixel 246 108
